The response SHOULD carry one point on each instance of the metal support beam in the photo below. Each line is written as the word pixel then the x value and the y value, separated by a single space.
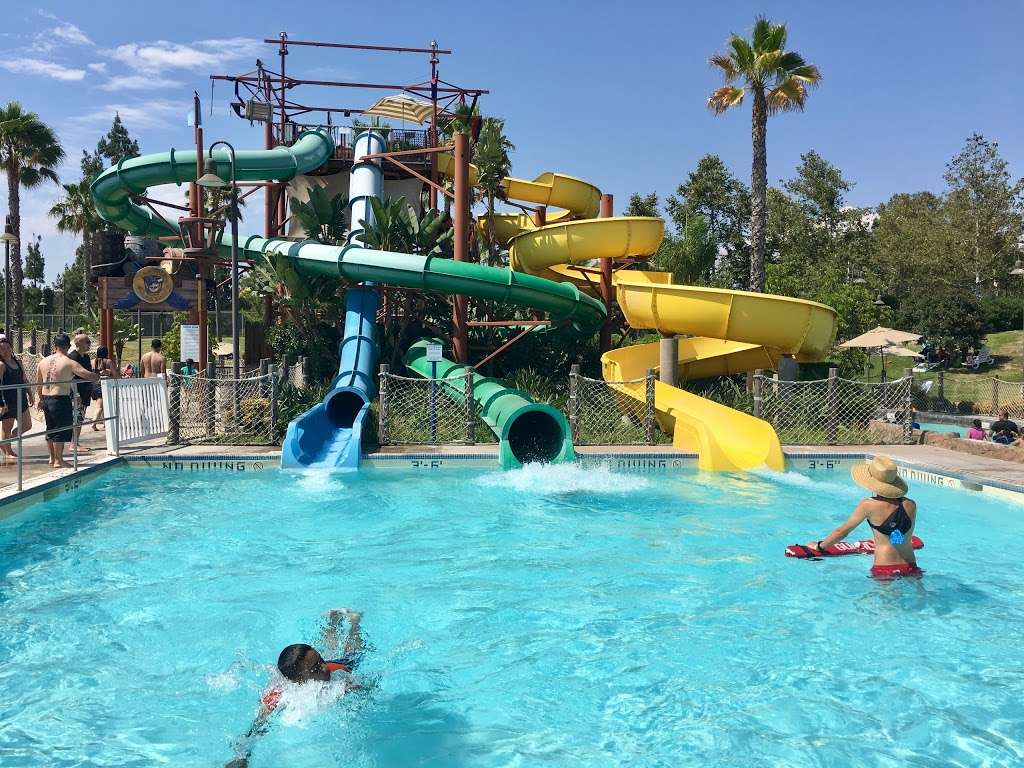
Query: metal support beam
pixel 607 205
pixel 668 360
pixel 460 333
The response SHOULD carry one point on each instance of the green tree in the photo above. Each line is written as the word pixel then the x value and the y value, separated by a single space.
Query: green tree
pixel 690 256
pixel 985 206
pixel 29 155
pixel 490 155
pixel 118 144
pixel 76 213
pixel 322 217
pixel 35 272
pixel 778 81
pixel 642 205
pixel 722 200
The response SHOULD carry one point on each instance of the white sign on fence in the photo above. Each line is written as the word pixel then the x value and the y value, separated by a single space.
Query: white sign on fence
pixel 434 353
pixel 189 342
pixel 141 410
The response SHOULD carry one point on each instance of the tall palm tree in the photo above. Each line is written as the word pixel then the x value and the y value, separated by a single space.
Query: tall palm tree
pixel 778 80
pixel 29 155
pixel 490 154
pixel 76 213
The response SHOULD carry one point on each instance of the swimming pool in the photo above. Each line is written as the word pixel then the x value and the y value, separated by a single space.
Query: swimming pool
pixel 937 427
pixel 548 616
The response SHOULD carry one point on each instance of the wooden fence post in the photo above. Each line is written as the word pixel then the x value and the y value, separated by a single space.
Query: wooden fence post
pixel 649 406
pixel 382 406
pixel 574 372
pixel 758 393
pixel 831 415
pixel 467 393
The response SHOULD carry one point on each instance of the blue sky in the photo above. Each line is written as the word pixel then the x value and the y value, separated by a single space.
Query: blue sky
pixel 611 92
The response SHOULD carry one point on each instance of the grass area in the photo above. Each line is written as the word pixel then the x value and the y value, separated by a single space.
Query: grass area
pixel 1007 347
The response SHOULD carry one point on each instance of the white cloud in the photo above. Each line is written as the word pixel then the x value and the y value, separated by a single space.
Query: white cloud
pixel 69 33
pixel 45 68
pixel 146 114
pixel 63 33
pixel 138 83
pixel 160 55
pixel 98 66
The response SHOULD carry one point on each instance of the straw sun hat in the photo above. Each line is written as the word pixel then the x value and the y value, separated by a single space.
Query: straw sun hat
pixel 881 477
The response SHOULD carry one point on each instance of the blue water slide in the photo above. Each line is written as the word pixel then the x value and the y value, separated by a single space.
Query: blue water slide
pixel 329 435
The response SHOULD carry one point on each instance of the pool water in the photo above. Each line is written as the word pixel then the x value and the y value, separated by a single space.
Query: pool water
pixel 551 616
pixel 937 427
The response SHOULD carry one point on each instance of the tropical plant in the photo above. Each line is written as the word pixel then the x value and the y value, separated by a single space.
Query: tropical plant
pixel 125 329
pixel 396 227
pixel 431 234
pixel 778 80
pixel 306 301
pixel 461 120
pixel 76 213
pixel 322 217
pixel 690 257
pixel 29 155
pixel 490 155
pixel 389 230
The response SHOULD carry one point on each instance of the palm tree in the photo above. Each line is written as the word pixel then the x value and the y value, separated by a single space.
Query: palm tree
pixel 29 154
pixel 778 80
pixel 492 163
pixel 76 214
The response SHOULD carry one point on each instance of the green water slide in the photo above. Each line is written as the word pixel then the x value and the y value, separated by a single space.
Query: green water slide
pixel 526 430
pixel 116 189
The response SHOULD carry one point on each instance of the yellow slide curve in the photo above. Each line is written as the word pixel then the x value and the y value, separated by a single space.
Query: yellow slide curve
pixel 727 331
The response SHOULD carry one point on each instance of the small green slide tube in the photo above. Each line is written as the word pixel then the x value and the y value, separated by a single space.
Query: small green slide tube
pixel 527 431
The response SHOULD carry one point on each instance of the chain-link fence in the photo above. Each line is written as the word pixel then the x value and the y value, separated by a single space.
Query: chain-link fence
pixel 222 411
pixel 429 411
pixel 835 411
pixel 968 395
pixel 604 413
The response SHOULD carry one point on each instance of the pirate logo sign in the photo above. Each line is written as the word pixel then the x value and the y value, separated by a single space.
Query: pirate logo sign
pixel 152 285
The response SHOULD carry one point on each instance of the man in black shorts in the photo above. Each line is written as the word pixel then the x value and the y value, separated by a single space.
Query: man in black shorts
pixel 54 379
pixel 301 663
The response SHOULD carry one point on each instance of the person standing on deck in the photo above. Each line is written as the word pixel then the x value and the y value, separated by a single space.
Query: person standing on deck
pixel 54 387
pixel 80 354
pixel 153 363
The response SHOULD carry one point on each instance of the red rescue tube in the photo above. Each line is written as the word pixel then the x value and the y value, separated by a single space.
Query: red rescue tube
pixel 865 547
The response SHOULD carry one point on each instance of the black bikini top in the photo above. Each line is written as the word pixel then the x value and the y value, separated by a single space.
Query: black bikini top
pixel 899 520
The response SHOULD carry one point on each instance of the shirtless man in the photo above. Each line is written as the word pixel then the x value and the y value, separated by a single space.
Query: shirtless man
pixel 54 379
pixel 153 363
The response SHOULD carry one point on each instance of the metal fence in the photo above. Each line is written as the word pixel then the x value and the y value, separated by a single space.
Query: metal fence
pixel 835 411
pixel 429 411
pixel 969 395
pixel 222 411
pixel 603 413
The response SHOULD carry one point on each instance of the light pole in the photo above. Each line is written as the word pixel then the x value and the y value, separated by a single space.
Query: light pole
pixel 8 237
pixel 63 306
pixel 210 178
pixel 1018 269
pixel 878 302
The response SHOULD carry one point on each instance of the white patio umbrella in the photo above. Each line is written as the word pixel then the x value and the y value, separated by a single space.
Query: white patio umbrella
pixel 884 340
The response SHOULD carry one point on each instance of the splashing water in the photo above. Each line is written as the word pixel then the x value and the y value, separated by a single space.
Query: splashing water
pixel 543 479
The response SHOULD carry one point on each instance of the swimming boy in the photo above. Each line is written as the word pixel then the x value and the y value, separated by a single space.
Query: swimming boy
pixel 301 663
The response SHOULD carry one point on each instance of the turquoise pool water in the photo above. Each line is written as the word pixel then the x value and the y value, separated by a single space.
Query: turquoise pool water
pixel 936 427
pixel 545 617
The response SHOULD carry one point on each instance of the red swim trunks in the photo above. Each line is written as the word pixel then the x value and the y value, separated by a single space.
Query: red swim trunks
pixel 896 571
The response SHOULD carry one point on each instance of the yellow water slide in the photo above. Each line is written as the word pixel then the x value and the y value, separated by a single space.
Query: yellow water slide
pixel 726 332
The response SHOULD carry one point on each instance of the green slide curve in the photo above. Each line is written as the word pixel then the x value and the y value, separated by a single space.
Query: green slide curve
pixel 114 189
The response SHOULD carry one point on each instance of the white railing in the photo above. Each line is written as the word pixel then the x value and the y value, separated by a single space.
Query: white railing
pixel 140 411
